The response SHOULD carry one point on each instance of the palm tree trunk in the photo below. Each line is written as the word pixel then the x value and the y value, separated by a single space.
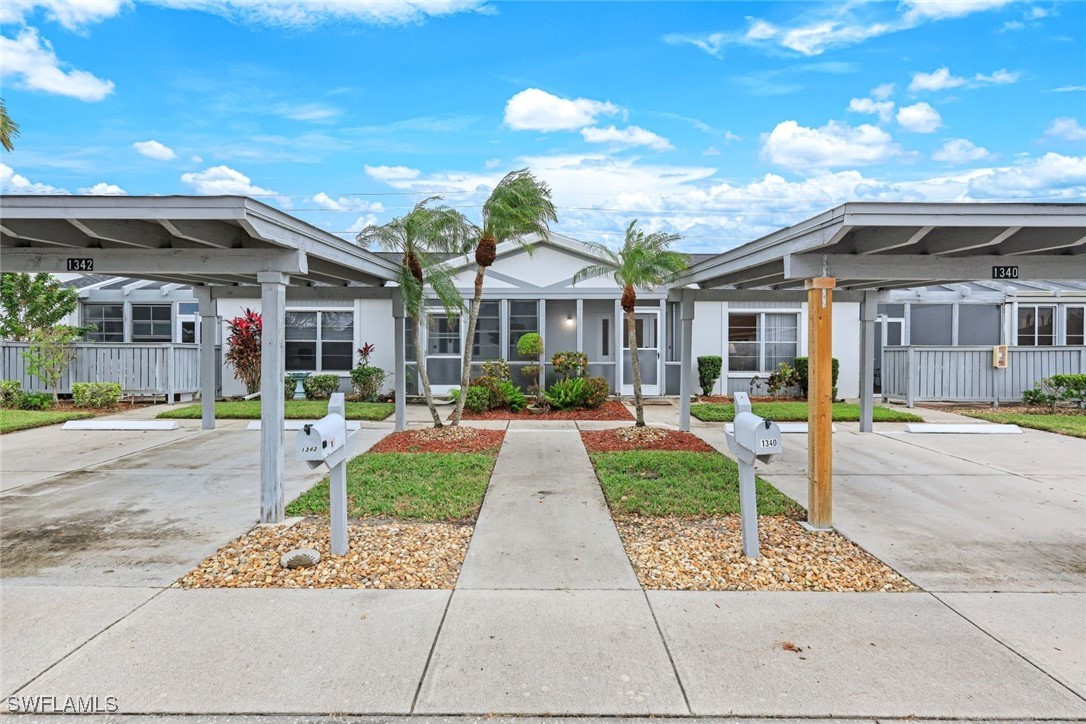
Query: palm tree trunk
pixel 424 375
pixel 469 342
pixel 635 363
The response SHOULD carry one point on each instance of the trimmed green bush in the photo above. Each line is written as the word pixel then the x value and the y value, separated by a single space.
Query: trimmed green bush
pixel 570 364
pixel 530 346
pixel 367 382
pixel 597 390
pixel 478 399
pixel 96 394
pixel 568 393
pixel 11 392
pixel 36 401
pixel 801 375
pixel 709 367
pixel 320 387
pixel 1055 389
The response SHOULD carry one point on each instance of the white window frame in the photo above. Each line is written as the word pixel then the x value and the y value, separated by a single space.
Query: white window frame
pixel 320 338
pixel 761 341
pixel 1061 338
pixel 1056 326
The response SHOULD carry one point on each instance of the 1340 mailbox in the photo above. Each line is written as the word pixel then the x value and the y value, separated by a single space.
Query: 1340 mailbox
pixel 752 439
pixel 324 442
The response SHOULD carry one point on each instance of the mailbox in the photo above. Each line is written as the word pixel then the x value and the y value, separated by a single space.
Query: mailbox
pixel 757 435
pixel 324 442
pixel 752 439
pixel 317 441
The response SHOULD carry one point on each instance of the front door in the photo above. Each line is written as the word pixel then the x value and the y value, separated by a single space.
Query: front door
pixel 647 325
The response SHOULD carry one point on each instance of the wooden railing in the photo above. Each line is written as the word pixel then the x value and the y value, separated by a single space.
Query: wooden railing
pixel 141 369
pixel 966 374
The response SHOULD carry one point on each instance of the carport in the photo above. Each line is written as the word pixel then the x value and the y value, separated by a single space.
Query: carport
pixel 863 249
pixel 222 246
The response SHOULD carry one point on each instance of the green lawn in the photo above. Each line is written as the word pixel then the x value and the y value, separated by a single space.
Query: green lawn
pixel 1073 425
pixel 409 486
pixel 681 483
pixel 13 420
pixel 796 412
pixel 295 410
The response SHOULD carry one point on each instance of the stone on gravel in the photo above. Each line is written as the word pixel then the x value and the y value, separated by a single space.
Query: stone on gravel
pixel 300 558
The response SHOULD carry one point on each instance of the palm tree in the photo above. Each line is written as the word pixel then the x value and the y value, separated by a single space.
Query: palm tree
pixel 9 129
pixel 420 235
pixel 518 206
pixel 645 261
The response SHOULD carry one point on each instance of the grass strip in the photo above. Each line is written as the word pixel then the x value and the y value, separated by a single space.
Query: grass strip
pixel 15 420
pixel 796 412
pixel 1071 425
pixel 408 486
pixel 657 483
pixel 295 410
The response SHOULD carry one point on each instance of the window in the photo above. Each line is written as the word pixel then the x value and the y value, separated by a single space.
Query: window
pixel 108 320
pixel 605 342
pixel 758 342
pixel 523 318
pixel 443 334
pixel 488 332
pixel 978 324
pixel 152 323
pixel 1076 334
pixel 319 341
pixel 1036 326
pixel 931 324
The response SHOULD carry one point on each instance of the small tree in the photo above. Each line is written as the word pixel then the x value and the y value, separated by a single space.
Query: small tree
pixel 29 303
pixel 50 354
pixel 244 352
pixel 530 347
pixel 366 378
pixel 709 367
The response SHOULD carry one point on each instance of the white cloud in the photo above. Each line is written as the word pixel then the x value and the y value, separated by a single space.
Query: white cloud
pixel 225 181
pixel 13 183
pixel 71 14
pixel 361 223
pixel 347 203
pixel 30 61
pixel 155 150
pixel 943 9
pixel 1011 25
pixel 884 109
pixel 1053 176
pixel 815 39
pixel 103 189
pixel 1036 13
pixel 836 144
pixel 999 77
pixel 492 163
pixel 1066 129
pixel 538 110
pixel 391 173
pixel 310 112
pixel 711 151
pixel 882 92
pixel 729 137
pixel 960 150
pixel 937 80
pixel 310 13
pixel 919 118
pixel 1068 89
pixel 626 137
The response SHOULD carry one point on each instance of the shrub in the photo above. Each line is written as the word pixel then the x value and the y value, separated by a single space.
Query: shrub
pixel 244 349
pixel 709 368
pixel 367 382
pixel 49 353
pixel 801 375
pixel 780 379
pixel 597 390
pixel 568 393
pixel 530 346
pixel 36 401
pixel 1055 389
pixel 320 387
pixel 517 399
pixel 478 399
pixel 570 364
pixel 497 368
pixel 96 394
pixel 10 393
pixel 1038 396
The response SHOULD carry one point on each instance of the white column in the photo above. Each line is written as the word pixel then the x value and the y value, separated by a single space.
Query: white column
pixel 273 299
pixel 619 354
pixel 579 321
pixel 400 362
pixel 543 335
pixel 686 308
pixel 661 348
pixel 869 309
pixel 208 362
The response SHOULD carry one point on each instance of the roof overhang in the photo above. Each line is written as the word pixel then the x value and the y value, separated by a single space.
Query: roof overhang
pixel 893 245
pixel 195 240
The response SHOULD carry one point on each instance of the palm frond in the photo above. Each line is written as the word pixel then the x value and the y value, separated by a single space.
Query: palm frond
pixel 441 281
pixel 594 271
pixel 520 205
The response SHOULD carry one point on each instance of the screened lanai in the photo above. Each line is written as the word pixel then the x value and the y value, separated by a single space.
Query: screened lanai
pixel 862 251
pixel 222 246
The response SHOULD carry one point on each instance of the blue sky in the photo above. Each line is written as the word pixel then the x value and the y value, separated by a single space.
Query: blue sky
pixel 720 121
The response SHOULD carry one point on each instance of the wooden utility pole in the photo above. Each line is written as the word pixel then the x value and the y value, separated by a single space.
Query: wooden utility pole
pixel 819 401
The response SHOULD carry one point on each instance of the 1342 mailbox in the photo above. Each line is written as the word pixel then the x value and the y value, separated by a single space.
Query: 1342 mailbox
pixel 752 439
pixel 324 442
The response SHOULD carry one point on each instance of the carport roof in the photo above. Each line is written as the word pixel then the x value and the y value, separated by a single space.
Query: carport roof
pixel 213 240
pixel 895 245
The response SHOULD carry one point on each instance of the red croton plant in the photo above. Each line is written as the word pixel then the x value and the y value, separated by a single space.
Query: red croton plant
pixel 244 352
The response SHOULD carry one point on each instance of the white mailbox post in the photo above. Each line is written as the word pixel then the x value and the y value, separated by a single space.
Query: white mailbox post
pixel 752 439
pixel 324 442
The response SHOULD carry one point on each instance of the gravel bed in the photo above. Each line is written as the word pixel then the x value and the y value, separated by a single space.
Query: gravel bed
pixel 610 410
pixel 622 439
pixel 441 440
pixel 682 554
pixel 381 555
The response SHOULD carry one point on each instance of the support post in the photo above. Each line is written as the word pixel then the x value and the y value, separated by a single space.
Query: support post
pixel 819 402
pixel 400 380
pixel 337 481
pixel 869 309
pixel 686 309
pixel 543 334
pixel 580 327
pixel 273 299
pixel 208 362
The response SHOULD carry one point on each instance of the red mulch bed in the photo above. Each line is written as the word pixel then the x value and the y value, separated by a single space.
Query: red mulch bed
pixel 624 439
pixel 610 410
pixel 443 440
pixel 726 399
pixel 714 398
